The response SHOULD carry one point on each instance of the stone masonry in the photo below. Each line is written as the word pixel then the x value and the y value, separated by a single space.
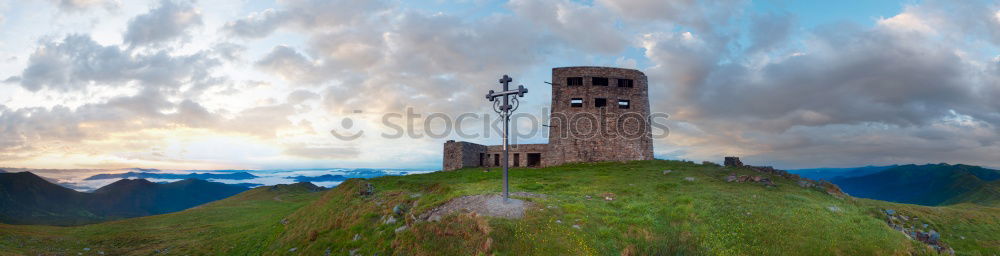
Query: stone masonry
pixel 597 114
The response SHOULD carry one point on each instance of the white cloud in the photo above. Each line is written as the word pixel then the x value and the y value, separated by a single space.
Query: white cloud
pixel 83 5
pixel 588 26
pixel 907 22
pixel 77 62
pixel 162 24
pixel 306 14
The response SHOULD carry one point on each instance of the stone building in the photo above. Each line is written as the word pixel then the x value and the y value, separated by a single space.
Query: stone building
pixel 597 114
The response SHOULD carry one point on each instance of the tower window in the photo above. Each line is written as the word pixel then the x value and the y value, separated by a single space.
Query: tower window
pixel 624 104
pixel 625 83
pixel 576 102
pixel 600 81
pixel 574 81
pixel 600 102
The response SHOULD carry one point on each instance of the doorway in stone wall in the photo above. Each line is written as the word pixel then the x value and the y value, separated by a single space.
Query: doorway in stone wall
pixel 534 159
pixel 517 160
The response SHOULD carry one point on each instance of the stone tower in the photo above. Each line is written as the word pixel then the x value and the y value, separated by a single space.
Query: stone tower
pixel 599 114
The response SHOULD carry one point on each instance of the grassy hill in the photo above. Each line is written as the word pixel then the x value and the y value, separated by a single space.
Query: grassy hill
pixel 931 184
pixel 26 198
pixel 652 213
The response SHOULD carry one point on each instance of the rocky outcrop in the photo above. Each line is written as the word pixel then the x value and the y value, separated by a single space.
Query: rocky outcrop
pixel 823 186
pixel 915 229
pixel 746 179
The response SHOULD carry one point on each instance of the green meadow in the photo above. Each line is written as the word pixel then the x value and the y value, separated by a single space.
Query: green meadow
pixel 651 213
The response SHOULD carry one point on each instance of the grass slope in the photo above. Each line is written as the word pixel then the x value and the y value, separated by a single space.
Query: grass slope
pixel 652 214
pixel 240 225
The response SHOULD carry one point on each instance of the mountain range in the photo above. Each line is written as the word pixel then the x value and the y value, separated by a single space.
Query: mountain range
pixel 26 198
pixel 837 173
pixel 929 184
pixel 152 175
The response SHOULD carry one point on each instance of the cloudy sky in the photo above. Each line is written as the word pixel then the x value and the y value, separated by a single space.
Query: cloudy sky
pixel 259 84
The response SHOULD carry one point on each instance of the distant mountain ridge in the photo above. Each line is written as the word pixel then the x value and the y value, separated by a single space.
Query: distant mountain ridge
pixel 836 173
pixel 26 198
pixel 929 184
pixel 153 175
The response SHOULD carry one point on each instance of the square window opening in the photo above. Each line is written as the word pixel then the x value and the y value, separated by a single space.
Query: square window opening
pixel 627 83
pixel 574 81
pixel 600 102
pixel 600 81
pixel 624 104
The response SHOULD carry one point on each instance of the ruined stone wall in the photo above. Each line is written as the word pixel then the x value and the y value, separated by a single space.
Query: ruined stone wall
pixel 591 133
pixel 461 154
pixel 522 150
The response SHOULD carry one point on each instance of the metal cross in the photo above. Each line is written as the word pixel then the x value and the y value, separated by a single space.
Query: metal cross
pixel 504 108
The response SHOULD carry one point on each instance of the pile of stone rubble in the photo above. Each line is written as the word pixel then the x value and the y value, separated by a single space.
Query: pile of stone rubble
pixel 915 229
pixel 823 186
pixel 746 178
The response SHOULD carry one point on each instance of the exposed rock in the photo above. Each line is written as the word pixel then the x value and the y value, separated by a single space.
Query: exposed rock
pixel 766 182
pixel 902 223
pixel 391 220
pixel 367 189
pixel 284 221
pixel 353 252
pixel 833 208
pixel 327 252
pixel 806 184
pixel 665 172
pixel 745 178
pixel 576 226
pixel 732 177
pixel 608 196
pixel 357 237
pixel 293 249
pixel 401 229
pixel 399 209
pixel 689 178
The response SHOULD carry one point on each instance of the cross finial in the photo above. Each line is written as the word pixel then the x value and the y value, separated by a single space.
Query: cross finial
pixel 505 80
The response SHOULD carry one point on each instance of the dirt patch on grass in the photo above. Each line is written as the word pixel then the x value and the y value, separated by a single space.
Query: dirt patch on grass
pixel 491 205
